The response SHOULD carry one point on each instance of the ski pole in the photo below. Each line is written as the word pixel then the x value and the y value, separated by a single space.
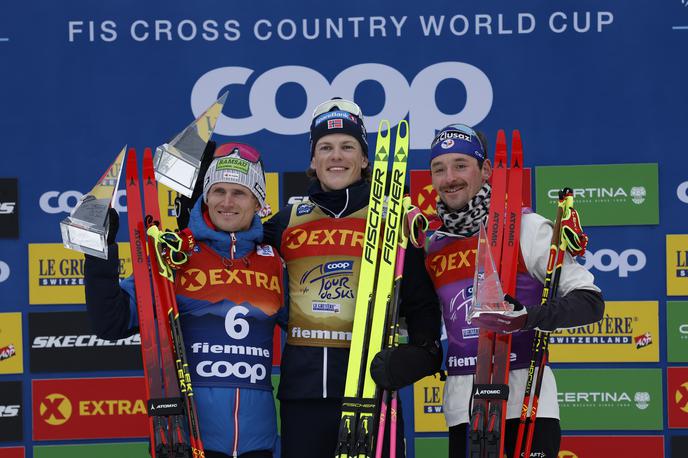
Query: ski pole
pixel 414 221
pixel 541 339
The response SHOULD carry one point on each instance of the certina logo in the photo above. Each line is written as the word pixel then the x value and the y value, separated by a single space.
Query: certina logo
pixel 331 281
pixel 82 341
pixel 401 98
pixel 7 208
pixel 195 279
pixel 53 202
pixel 9 411
pixel 640 399
pixel 440 263
pixel 606 260
pixel 4 271
pixel 682 190
pixel 637 194
pixel 331 237
pixel 56 409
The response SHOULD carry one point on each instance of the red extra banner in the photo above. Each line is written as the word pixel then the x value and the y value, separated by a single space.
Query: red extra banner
pixel 677 397
pixel 12 452
pixel 94 408
pixel 608 446
pixel 424 196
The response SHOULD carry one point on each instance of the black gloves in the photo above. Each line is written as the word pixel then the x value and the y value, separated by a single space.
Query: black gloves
pixel 113 225
pixel 183 204
pixel 394 368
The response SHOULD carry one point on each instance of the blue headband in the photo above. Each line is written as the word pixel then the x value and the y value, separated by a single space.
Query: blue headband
pixel 457 138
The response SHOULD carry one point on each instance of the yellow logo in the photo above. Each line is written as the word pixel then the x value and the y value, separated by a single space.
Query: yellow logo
pixel 426 200
pixel 442 263
pixel 297 237
pixel 11 350
pixel 55 409
pixel 628 332
pixel 428 407
pixel 56 274
pixel 677 265
pixel 681 397
pixel 567 454
pixel 333 237
pixel 195 279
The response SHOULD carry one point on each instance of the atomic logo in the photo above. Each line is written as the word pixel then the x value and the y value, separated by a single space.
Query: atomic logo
pixel 55 409
pixel 193 279
pixel 426 200
pixel 296 238
pixel 681 397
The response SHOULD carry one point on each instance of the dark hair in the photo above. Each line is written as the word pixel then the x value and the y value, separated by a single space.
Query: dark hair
pixel 483 141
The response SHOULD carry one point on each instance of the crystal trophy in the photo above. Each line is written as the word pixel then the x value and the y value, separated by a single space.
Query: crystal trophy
pixel 488 295
pixel 86 228
pixel 177 163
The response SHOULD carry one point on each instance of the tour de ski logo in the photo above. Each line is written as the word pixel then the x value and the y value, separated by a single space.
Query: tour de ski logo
pixel 458 310
pixel 330 282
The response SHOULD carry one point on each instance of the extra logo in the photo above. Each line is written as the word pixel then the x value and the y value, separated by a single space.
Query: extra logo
pixel 439 264
pixel 4 271
pixel 331 281
pixel 681 397
pixel 606 260
pixel 427 199
pixel 401 98
pixel 195 279
pixel 55 409
pixel 298 238
pixel 53 202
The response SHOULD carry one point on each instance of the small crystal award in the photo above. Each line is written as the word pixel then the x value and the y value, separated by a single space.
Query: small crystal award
pixel 487 289
pixel 177 163
pixel 86 228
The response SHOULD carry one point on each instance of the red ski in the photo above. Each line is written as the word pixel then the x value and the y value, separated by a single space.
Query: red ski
pixel 491 390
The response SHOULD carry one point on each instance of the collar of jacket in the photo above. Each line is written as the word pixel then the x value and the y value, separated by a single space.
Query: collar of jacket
pixel 221 241
pixel 342 202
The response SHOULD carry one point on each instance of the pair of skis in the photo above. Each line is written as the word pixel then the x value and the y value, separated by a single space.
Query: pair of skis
pixel 491 388
pixel 171 406
pixel 377 292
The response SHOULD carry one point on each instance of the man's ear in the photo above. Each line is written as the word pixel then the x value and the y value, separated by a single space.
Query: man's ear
pixel 486 170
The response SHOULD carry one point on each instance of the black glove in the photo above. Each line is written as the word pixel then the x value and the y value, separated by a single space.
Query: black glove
pixel 113 225
pixel 394 368
pixel 183 204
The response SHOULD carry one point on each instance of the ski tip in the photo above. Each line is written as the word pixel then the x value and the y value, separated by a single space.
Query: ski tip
pixel 383 128
pixel 500 150
pixel 516 149
pixel 402 129
pixel 131 153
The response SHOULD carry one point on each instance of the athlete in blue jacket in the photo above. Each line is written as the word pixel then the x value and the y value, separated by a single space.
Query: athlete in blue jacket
pixel 230 297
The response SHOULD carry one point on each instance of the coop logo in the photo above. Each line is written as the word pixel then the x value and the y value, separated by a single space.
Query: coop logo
pixel 682 190
pixel 4 271
pixel 53 202
pixel 55 409
pixel 401 98
pixel 637 194
pixel 606 260
pixel 331 281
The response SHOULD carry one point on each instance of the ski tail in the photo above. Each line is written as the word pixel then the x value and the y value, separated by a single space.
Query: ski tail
pixel 179 444
pixel 541 339
pixel 164 281
pixel 352 405
pixel 486 339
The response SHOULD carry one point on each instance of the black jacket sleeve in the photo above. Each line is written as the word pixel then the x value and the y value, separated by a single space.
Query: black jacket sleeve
pixel 419 302
pixel 275 226
pixel 106 303
pixel 579 307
